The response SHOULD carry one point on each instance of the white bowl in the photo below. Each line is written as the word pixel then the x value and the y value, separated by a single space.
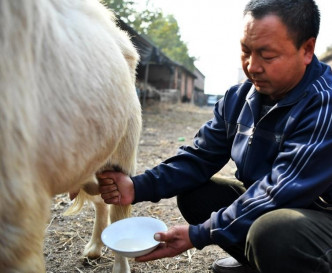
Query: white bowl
pixel 133 237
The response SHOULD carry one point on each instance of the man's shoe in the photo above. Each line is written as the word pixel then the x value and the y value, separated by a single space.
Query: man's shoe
pixel 230 265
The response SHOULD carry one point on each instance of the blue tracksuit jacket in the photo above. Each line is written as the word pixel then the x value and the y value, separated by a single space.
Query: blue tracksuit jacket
pixel 284 158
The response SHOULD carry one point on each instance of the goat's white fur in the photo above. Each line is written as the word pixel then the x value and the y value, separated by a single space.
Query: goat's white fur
pixel 68 109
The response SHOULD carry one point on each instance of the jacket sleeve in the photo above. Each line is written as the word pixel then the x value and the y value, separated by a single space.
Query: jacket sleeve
pixel 192 166
pixel 300 173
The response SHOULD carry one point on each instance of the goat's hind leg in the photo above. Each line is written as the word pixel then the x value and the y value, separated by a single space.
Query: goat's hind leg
pixel 121 264
pixel 125 158
pixel 94 247
pixel 103 214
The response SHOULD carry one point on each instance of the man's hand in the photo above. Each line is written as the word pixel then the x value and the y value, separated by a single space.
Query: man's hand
pixel 116 188
pixel 173 242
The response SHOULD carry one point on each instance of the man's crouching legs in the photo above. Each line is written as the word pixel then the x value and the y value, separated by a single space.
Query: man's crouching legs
pixel 291 240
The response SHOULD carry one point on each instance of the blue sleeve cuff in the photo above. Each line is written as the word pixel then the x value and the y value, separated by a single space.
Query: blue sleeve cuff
pixel 144 188
pixel 200 235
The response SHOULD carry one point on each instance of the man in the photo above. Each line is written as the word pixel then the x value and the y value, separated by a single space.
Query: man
pixel 277 127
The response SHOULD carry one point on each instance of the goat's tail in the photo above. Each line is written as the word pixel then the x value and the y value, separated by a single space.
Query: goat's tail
pixel 78 203
pixel 86 194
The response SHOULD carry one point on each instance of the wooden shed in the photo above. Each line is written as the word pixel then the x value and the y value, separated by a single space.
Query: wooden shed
pixel 158 72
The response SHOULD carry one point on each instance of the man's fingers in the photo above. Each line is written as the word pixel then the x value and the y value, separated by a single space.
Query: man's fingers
pixel 157 237
pixel 108 188
pixel 104 174
pixel 160 252
pixel 106 182
pixel 110 195
pixel 113 201
pixel 164 236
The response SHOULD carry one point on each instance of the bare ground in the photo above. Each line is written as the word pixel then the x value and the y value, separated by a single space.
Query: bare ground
pixel 165 128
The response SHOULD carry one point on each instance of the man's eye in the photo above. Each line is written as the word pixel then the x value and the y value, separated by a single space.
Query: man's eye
pixel 268 57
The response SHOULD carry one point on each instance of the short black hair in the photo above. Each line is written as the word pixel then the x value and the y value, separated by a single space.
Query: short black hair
pixel 301 17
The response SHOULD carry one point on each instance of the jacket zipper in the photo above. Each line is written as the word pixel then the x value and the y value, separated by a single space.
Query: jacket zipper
pixel 251 138
pixel 242 173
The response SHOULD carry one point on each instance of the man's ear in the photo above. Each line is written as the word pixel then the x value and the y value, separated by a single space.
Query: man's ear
pixel 308 50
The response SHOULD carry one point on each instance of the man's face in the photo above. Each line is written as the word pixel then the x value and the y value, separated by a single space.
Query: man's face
pixel 270 58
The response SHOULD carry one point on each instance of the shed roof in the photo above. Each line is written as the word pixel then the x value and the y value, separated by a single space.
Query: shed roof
pixel 148 51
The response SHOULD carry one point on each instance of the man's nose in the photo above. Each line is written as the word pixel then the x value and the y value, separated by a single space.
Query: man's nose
pixel 254 65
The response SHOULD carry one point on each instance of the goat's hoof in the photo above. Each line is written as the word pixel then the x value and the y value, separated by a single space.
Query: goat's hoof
pixel 92 250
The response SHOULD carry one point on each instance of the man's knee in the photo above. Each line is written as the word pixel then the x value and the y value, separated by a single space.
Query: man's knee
pixel 275 226
pixel 283 239
pixel 281 227
pixel 197 205
pixel 270 235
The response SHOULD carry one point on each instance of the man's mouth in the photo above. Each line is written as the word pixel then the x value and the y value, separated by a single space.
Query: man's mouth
pixel 258 82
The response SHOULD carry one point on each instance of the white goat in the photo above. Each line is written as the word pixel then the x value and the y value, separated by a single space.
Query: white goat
pixel 68 109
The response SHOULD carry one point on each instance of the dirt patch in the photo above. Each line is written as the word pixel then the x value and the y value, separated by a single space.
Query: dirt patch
pixel 165 128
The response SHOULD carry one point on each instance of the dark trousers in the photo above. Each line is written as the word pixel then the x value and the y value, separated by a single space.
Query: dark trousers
pixel 284 240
